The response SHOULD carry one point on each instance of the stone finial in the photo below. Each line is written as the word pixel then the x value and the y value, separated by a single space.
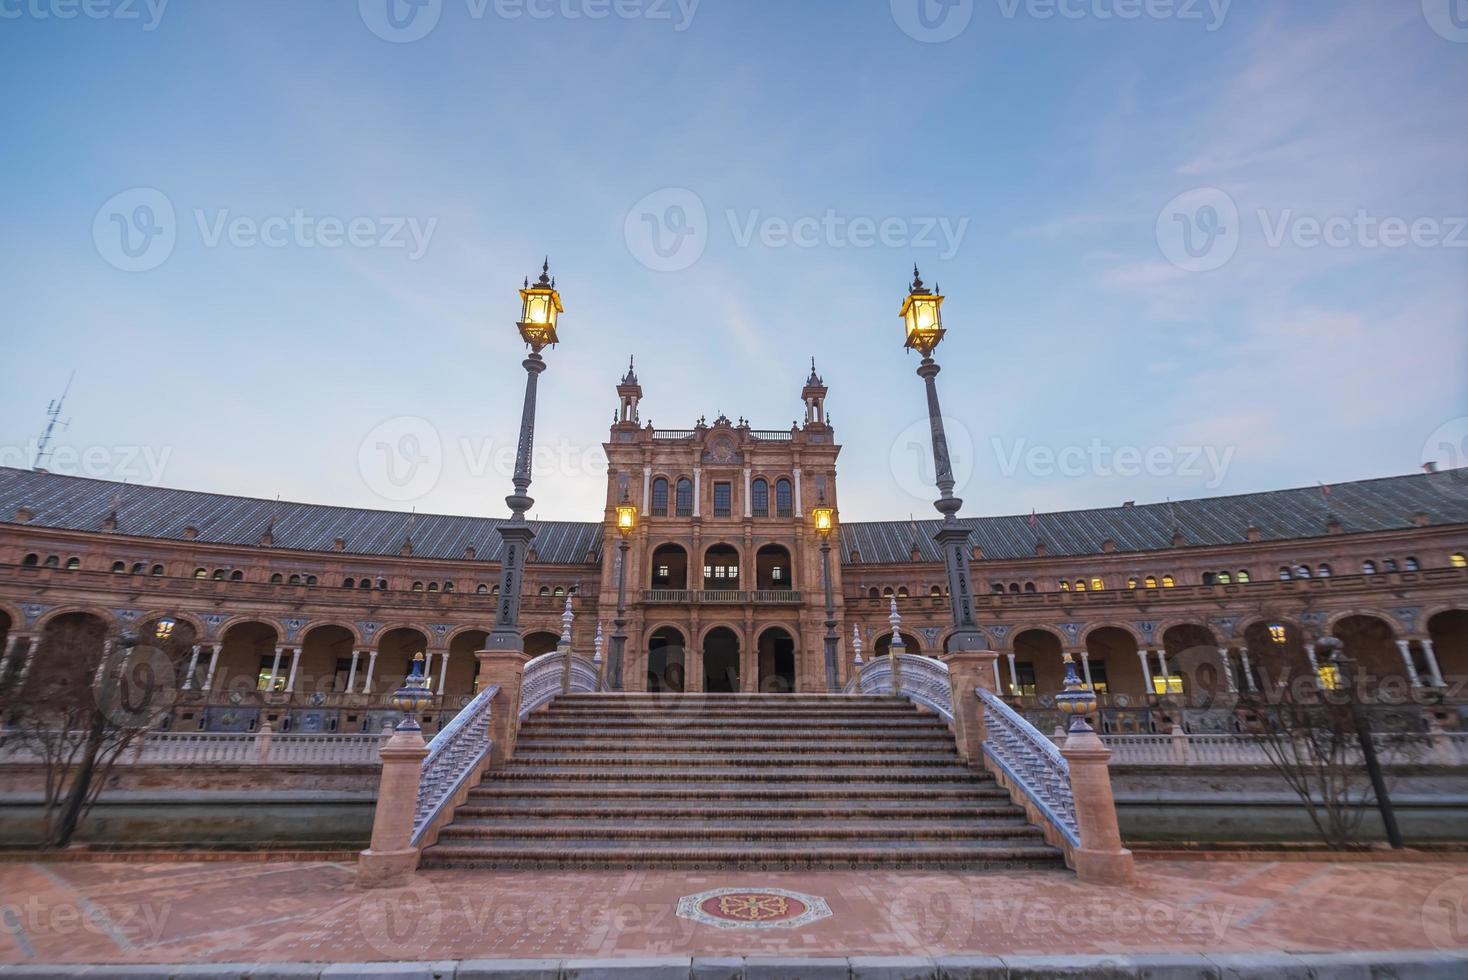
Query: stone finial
pixel 1178 538
pixel 109 523
pixel 1253 533
pixel 339 544
pixel 1333 524
pixel 191 533
pixel 267 537
pixel 596 658
pixel 896 617
pixel 23 515
pixel 1108 546
pixel 470 554
pixel 856 643
pixel 567 618
pixel 1040 549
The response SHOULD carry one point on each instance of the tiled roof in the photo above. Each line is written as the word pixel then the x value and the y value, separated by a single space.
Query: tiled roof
pixel 80 504
pixel 1368 505
pixel 77 503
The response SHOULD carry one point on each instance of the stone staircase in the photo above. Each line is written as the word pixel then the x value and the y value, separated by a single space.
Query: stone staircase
pixel 753 782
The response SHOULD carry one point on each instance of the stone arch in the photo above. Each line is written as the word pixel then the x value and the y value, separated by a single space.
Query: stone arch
pixel 1016 630
pixel 1447 629
pixel 1335 618
pixel 234 621
pixel 723 646
pixel 1117 624
pixel 49 615
pixel 14 614
pixel 191 619
pixel 326 657
pixel 719 566
pixel 1037 664
pixel 777 652
pixel 1371 640
pixel 396 646
pixel 672 555
pixel 774 567
pixel 667 658
pixel 537 642
pixel 246 646
pixel 883 642
pixel 1113 656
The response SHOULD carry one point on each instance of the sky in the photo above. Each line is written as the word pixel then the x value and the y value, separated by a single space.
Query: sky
pixel 1190 247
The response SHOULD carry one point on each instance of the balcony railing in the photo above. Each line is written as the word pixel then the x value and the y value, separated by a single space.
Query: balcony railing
pixel 724 597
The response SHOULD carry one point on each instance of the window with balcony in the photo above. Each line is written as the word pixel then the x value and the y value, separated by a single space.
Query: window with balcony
pixel 784 498
pixel 760 499
pixel 685 497
pixel 660 497
pixel 723 499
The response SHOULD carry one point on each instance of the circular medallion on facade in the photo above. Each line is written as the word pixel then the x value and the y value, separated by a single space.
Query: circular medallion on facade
pixel 753 908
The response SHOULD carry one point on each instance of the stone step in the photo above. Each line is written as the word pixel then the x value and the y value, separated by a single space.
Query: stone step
pixel 743 698
pixel 752 759
pixel 512 853
pixel 583 731
pixel 525 809
pixel 623 747
pixel 546 789
pixel 747 830
pixel 952 773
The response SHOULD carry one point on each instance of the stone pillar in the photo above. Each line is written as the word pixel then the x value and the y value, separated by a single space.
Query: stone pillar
pixel 10 644
pixel 1248 668
pixel 1432 665
pixel 968 670
pixel 505 668
pixel 443 671
pixel 352 672
pixel 1405 646
pixel 1164 672
pixel 1229 680
pixel 392 859
pixel 748 498
pixel 1143 656
pixel 371 667
pixel 188 684
pixel 646 489
pixel 263 738
pixel 1085 656
pixel 1100 859
pixel 274 669
pixel 799 507
pixel 697 493
pixel 213 666
pixel 290 684
pixel 1013 678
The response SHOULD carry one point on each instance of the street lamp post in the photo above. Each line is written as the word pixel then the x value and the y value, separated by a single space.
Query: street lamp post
pixel 540 309
pixel 626 524
pixel 825 521
pixel 922 313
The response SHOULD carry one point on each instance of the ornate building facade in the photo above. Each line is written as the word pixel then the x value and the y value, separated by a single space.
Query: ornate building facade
pixel 306 617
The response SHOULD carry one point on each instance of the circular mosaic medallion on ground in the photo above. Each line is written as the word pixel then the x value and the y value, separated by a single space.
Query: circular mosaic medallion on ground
pixel 753 908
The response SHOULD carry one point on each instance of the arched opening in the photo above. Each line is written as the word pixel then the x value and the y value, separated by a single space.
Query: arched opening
pixel 1449 634
pixel 1037 666
pixel 773 570
pixel 462 675
pixel 395 652
pixel 1276 653
pixel 1372 643
pixel 776 661
pixel 1194 669
pixel 246 656
pixel 721 661
pixel 1116 668
pixel 667 658
pixel 884 644
pixel 721 567
pixel 326 661
pixel 684 502
pixel 540 643
pixel 58 672
pixel 669 567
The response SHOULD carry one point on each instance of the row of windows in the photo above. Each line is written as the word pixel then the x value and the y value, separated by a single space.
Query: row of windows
pixel 934 592
pixel 759 498
pixel 1242 577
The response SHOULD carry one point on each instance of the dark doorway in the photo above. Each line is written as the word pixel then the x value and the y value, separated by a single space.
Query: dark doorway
pixel 776 662
pixel 721 661
pixel 665 660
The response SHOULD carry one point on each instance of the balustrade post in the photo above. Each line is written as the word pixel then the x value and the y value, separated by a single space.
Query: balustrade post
pixel 1100 859
pixel 263 738
pixel 391 859
pixel 505 668
pixel 1182 752
pixel 1442 747
pixel 967 670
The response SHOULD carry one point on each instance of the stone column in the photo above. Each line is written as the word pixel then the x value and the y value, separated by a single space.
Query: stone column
pixel 1229 680
pixel 1013 678
pixel 799 507
pixel 1433 667
pixel 1164 673
pixel 1100 859
pixel 213 666
pixel 188 684
pixel 1085 656
pixel 352 672
pixel 1143 656
pixel 1405 646
pixel 10 644
pixel 697 491
pixel 646 489
pixel 1248 668
pixel 274 669
pixel 290 683
pixel 371 667
pixel 748 499
pixel 505 668
pixel 968 670
pixel 392 859
pixel 443 671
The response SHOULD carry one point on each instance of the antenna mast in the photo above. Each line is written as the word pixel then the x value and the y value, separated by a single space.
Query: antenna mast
pixel 53 419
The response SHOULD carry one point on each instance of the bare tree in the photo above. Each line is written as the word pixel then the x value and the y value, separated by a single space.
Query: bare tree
pixel 1310 723
pixel 86 696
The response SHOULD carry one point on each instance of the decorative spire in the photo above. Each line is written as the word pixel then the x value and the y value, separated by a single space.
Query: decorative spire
pixel 545 278
pixel 896 617
pixel 567 618
pixel 856 642
pixel 815 380
pixel 630 378
pixel 917 281
pixel 596 659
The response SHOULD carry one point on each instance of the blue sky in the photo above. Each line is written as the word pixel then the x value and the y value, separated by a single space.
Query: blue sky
pixel 1116 331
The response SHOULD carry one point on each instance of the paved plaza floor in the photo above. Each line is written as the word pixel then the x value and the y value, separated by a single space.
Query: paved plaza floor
pixel 159 912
